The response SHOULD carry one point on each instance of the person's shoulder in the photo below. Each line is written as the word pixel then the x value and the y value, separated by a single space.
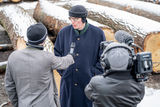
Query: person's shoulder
pixel 97 79
pixel 14 54
pixel 66 28
pixel 97 32
pixel 95 28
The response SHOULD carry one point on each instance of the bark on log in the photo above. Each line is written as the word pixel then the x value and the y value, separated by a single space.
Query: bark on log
pixel 148 10
pixel 3 66
pixel 5 47
pixel 16 20
pixel 138 26
pixel 54 21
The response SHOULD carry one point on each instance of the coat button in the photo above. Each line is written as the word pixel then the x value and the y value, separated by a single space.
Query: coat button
pixel 75 84
pixel 77 54
pixel 76 69
pixel 78 38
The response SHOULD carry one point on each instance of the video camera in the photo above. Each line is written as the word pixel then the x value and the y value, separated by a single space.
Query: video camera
pixel 141 65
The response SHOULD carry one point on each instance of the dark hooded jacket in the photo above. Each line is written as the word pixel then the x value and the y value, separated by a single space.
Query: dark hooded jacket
pixel 118 89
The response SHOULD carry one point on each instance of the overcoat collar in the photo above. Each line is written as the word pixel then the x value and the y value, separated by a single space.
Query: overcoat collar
pixel 80 32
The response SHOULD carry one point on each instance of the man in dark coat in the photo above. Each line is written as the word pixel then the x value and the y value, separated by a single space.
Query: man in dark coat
pixel 87 39
pixel 29 78
pixel 117 87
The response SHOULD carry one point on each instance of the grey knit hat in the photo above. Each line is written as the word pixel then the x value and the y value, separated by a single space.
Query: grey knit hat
pixel 36 34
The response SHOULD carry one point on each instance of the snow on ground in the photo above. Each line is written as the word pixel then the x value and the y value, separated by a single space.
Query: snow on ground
pixel 151 98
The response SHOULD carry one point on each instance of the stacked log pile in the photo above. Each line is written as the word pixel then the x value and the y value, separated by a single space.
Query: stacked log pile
pixel 54 16
pixel 148 10
pixel 146 32
pixel 58 18
pixel 16 20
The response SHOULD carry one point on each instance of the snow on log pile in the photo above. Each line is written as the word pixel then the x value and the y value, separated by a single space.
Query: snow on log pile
pixel 28 6
pixel 146 9
pixel 56 17
pixel 16 20
pixel 146 32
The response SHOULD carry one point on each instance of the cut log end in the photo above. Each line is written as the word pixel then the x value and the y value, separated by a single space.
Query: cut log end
pixel 109 34
pixel 57 79
pixel 152 44
pixel 21 44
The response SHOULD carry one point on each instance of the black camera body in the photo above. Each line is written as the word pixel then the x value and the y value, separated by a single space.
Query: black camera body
pixel 141 65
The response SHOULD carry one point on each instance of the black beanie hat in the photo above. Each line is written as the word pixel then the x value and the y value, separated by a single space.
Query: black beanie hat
pixel 78 11
pixel 36 34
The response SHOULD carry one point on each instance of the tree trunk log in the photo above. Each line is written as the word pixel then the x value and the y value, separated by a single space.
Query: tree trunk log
pixel 5 47
pixel 55 21
pixel 148 10
pixel 138 26
pixel 3 66
pixel 152 44
pixel 16 23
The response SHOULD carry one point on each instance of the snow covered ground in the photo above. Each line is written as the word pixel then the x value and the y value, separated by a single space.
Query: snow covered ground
pixel 151 98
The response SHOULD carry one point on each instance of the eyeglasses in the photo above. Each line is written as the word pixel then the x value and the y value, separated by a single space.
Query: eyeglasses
pixel 74 19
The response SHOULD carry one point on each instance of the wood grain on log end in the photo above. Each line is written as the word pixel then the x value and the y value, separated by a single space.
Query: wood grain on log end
pixel 21 44
pixel 109 34
pixel 57 79
pixel 152 44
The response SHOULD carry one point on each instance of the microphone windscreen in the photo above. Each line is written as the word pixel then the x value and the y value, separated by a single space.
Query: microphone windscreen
pixel 123 37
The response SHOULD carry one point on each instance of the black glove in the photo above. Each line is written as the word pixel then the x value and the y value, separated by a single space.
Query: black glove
pixel 72 49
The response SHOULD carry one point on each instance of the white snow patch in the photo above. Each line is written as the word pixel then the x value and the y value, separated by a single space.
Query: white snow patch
pixel 21 20
pixel 28 5
pixel 151 98
pixel 140 23
pixel 60 13
pixel 145 6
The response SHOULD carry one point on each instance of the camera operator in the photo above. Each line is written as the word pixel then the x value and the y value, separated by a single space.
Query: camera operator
pixel 117 87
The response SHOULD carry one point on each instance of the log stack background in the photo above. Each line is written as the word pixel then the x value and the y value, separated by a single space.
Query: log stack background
pixel 54 15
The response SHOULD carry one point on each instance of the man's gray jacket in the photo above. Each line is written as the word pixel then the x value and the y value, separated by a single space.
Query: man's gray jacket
pixel 115 90
pixel 29 78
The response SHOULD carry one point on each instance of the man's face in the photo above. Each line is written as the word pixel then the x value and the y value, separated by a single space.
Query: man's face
pixel 76 23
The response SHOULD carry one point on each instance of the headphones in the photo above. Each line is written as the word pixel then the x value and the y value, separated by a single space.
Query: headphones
pixel 112 45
